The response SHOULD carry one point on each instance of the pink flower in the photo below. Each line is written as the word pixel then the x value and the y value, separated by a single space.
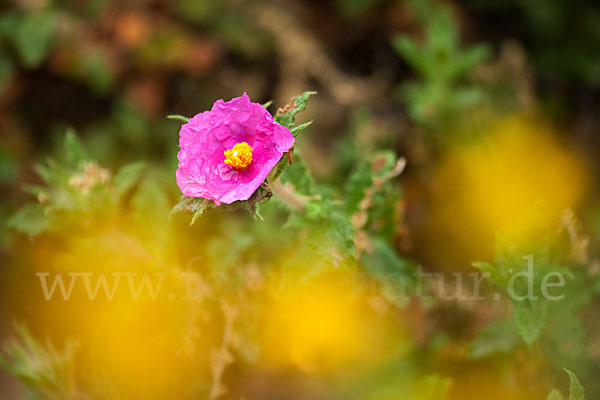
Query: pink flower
pixel 227 152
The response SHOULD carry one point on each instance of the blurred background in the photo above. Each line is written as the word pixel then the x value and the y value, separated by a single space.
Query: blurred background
pixel 494 104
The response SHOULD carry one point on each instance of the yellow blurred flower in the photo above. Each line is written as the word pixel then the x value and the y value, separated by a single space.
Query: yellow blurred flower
pixel 325 323
pixel 513 182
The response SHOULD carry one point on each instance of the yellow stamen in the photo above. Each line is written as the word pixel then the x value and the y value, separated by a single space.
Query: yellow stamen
pixel 239 156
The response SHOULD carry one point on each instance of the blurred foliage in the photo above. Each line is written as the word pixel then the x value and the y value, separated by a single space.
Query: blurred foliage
pixel 560 36
pixel 355 7
pixel 78 188
pixel 319 295
pixel 31 35
pixel 576 391
pixel 46 371
pixel 441 65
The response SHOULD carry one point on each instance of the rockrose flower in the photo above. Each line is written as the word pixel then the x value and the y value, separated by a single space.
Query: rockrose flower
pixel 227 152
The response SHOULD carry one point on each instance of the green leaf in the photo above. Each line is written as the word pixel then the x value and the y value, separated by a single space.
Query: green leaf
pixel 194 205
pixel 96 70
pixel 301 101
pixel 74 152
pixel 530 318
pixel 179 118
pixel 497 338
pixel 30 220
pixel 46 172
pixel 286 120
pixel 46 370
pixel 297 129
pixel 298 176
pixel 127 177
pixel 298 104
pixel 278 168
pixel 35 190
pixel 358 182
pixel 496 275
pixel 31 34
pixel 408 48
pixel 467 60
pixel 575 389
pixel 202 207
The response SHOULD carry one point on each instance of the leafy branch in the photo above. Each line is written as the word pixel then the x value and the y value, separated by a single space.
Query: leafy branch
pixel 441 65
pixel 46 371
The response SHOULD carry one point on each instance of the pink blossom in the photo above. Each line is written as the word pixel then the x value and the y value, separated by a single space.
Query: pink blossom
pixel 205 139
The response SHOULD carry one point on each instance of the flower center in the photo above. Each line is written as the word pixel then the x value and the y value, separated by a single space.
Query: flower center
pixel 239 156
